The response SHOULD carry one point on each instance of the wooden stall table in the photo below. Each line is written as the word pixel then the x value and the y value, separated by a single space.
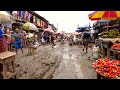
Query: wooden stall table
pixel 102 76
pixel 107 41
pixel 116 52
pixel 31 48
pixel 6 58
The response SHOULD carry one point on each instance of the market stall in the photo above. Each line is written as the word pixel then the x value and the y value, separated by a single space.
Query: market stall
pixel 78 37
pixel 108 66
pixel 31 37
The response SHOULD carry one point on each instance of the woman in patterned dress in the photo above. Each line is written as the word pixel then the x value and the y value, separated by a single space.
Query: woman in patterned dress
pixel 18 42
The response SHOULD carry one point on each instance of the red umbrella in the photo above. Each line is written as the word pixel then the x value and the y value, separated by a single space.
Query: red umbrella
pixel 104 15
pixel 49 30
pixel 76 33
pixel 57 33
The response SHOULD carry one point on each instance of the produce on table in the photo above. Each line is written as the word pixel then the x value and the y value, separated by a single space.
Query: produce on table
pixel 116 46
pixel 110 34
pixel 109 68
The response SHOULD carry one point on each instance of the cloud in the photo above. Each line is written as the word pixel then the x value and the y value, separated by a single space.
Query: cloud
pixel 66 20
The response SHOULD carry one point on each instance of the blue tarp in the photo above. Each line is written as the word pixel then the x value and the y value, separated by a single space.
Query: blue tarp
pixel 83 27
pixel 80 30
pixel 103 20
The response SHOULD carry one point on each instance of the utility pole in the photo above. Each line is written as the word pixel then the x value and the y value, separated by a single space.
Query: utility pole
pixel 78 26
pixel 89 25
pixel 57 26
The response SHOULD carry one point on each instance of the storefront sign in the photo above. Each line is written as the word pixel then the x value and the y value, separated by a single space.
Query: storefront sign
pixel 41 24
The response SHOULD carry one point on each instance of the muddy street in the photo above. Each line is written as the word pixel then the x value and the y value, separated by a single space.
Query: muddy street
pixel 62 62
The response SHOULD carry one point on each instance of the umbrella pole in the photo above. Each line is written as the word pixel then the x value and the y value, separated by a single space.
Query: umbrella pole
pixel 107 26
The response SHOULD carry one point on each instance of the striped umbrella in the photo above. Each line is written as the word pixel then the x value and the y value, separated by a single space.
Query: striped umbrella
pixel 49 30
pixel 104 15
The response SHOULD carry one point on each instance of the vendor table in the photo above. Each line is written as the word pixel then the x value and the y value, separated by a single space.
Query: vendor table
pixel 113 40
pixel 6 58
pixel 116 52
pixel 106 42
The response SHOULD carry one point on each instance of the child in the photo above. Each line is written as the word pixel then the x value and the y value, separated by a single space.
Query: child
pixel 43 41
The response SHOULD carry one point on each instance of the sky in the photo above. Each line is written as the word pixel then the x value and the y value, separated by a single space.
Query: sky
pixel 67 20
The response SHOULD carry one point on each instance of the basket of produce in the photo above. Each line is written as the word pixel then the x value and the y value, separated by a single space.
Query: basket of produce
pixel 110 34
pixel 116 46
pixel 108 68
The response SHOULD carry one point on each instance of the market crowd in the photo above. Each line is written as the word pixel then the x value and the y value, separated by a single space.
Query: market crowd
pixel 18 39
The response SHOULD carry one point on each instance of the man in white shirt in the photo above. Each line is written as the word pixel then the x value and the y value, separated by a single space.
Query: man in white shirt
pixel 74 39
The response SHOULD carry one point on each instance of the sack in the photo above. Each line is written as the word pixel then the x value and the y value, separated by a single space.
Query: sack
pixel 95 49
pixel 95 55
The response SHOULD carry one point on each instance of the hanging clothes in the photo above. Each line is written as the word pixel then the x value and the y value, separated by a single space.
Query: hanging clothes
pixel 31 19
pixel 45 26
pixel 23 15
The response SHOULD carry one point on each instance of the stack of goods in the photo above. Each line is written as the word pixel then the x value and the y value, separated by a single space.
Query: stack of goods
pixel 30 37
pixel 116 46
pixel 108 68
pixel 111 34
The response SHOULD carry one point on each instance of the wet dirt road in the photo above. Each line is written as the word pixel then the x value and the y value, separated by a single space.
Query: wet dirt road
pixel 62 62
pixel 74 65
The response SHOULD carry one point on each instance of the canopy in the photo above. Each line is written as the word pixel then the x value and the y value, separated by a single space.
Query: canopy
pixel 30 26
pixel 49 30
pixel 104 15
pixel 76 33
pixel 6 18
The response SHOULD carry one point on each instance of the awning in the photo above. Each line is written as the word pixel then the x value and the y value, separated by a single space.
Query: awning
pixel 18 23
pixel 12 18
pixel 41 29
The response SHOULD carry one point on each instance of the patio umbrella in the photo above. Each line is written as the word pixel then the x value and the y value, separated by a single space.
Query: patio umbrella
pixel 6 18
pixel 57 33
pixel 104 15
pixel 76 33
pixel 30 26
pixel 49 30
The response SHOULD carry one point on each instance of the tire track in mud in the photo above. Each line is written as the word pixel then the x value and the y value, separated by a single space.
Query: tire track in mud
pixel 37 65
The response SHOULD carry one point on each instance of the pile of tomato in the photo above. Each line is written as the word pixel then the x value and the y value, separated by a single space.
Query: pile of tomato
pixel 116 46
pixel 110 68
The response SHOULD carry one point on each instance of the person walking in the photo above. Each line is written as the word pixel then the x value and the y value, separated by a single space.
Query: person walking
pixel 86 40
pixel 74 39
pixel 2 44
pixel 45 38
pixel 18 41
pixel 48 42
pixel 62 39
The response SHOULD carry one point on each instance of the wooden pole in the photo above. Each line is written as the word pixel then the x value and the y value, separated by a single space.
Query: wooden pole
pixel 107 25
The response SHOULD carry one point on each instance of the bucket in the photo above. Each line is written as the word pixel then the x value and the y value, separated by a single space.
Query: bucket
pixel 95 55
